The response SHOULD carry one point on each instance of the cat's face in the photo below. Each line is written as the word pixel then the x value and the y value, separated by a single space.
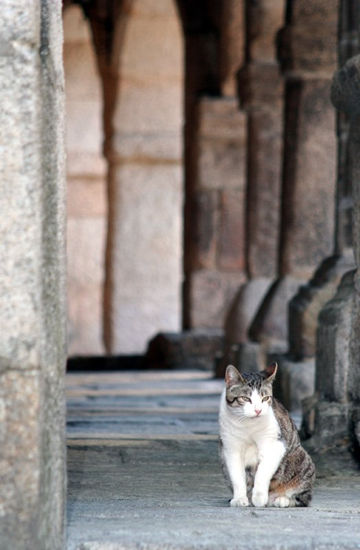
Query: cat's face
pixel 250 394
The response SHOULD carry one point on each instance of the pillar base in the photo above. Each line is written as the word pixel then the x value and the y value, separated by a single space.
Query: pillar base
pixel 305 307
pixel 243 311
pixel 295 380
pixel 270 325
pixel 332 443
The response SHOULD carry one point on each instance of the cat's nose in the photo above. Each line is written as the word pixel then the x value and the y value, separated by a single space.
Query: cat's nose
pixel 258 411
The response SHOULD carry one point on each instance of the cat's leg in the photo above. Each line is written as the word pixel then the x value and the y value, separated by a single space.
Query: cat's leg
pixel 270 455
pixel 288 491
pixel 235 466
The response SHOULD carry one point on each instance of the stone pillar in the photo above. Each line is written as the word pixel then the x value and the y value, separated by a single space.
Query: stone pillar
pixel 214 161
pixel 304 308
pixel 308 54
pixel 261 96
pixel 306 305
pixel 335 420
pixel 32 312
pixel 86 173
pixel 144 149
pixel 217 253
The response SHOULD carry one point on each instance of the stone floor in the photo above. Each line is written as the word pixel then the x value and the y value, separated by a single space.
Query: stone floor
pixel 143 473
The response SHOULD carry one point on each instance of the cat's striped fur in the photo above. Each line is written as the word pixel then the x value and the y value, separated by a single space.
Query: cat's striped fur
pixel 260 447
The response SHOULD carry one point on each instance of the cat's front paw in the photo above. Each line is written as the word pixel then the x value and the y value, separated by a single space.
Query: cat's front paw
pixel 238 502
pixel 260 498
pixel 282 502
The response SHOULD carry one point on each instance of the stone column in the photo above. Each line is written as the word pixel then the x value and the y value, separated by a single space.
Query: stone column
pixel 86 171
pixel 217 251
pixel 214 161
pixel 32 312
pixel 335 416
pixel 141 66
pixel 305 306
pixel 261 96
pixel 308 54
pixel 298 366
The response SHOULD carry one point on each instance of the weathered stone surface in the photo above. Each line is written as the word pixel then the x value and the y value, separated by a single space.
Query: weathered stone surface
pixel 270 325
pixel 295 380
pixel 189 349
pixel 306 234
pixel 264 18
pixel 308 406
pixel 345 87
pixel 231 247
pixel 309 176
pixel 332 428
pixel 221 144
pixel 144 255
pixel 246 357
pixel 86 187
pixel 333 342
pixel 244 308
pixel 145 269
pixel 32 320
pixel 261 95
pixel 85 304
pixel 212 294
pixel 305 307
pixel 263 212
pixel 337 378
pixel 251 357
pixel 86 199
pixel 356 420
pixel 260 91
pixel 86 261
pixel 232 44
pixel 205 210
pixel 309 41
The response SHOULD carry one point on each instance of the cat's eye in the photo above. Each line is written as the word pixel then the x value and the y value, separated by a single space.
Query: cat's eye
pixel 266 398
pixel 245 398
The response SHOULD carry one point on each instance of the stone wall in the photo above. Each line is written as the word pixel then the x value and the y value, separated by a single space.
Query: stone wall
pixel 32 318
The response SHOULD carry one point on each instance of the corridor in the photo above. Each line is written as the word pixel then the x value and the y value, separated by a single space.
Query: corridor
pixel 143 473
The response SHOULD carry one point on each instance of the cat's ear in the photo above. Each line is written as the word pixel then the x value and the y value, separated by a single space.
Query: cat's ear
pixel 232 376
pixel 270 372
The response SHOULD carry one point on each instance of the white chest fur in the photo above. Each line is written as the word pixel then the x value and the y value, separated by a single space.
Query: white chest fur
pixel 250 441
pixel 250 437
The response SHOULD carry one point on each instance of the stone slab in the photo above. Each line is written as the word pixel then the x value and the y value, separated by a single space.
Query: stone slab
pixel 187 349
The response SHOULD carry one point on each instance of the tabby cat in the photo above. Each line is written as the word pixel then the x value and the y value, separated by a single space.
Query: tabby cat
pixel 260 446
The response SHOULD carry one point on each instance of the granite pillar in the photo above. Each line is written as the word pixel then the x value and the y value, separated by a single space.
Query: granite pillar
pixel 32 277
pixel 315 296
pixel 337 357
pixel 140 50
pixel 217 251
pixel 260 88
pixel 307 50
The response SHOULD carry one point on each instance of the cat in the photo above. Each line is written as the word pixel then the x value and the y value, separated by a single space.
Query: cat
pixel 260 447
